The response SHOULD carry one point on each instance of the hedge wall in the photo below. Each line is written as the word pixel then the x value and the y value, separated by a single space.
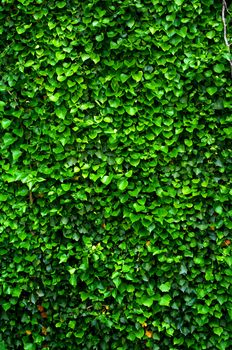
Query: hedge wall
pixel 115 175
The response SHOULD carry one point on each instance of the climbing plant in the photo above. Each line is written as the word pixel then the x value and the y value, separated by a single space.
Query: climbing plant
pixel 115 175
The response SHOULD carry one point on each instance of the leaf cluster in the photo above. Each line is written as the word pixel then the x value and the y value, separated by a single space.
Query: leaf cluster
pixel 115 175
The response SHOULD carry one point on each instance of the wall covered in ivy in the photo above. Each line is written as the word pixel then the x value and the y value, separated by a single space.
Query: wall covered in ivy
pixel 115 175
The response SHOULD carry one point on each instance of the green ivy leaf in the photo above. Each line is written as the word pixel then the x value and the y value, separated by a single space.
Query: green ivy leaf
pixel 55 97
pixel 219 68
pixel 137 76
pixel 72 324
pixel 179 2
pixel 16 153
pixel 165 287
pixel 122 184
pixel 138 207
pixel 61 112
pixel 73 280
pixel 211 90
pixel 29 346
pixel 60 55
pixel 8 139
pixel 165 300
pixel 146 301
pixel 188 143
pixel 218 330
pixel 106 180
pixel 228 131
pixel 124 77
pixel 183 31
pixel 139 333
pixel 61 4
pixel 219 209
pixel 66 187
pixel 131 110
pixel 210 34
pixel 186 190
pixel 6 306
pixel 5 123
pixel 22 235
pixel 16 292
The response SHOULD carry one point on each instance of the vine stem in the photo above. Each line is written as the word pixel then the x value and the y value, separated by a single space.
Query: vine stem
pixel 224 9
pixel 31 197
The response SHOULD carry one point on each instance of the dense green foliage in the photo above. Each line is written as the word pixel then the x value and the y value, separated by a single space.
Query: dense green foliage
pixel 115 175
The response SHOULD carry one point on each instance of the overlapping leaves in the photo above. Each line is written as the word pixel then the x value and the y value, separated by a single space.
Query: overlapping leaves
pixel 115 175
